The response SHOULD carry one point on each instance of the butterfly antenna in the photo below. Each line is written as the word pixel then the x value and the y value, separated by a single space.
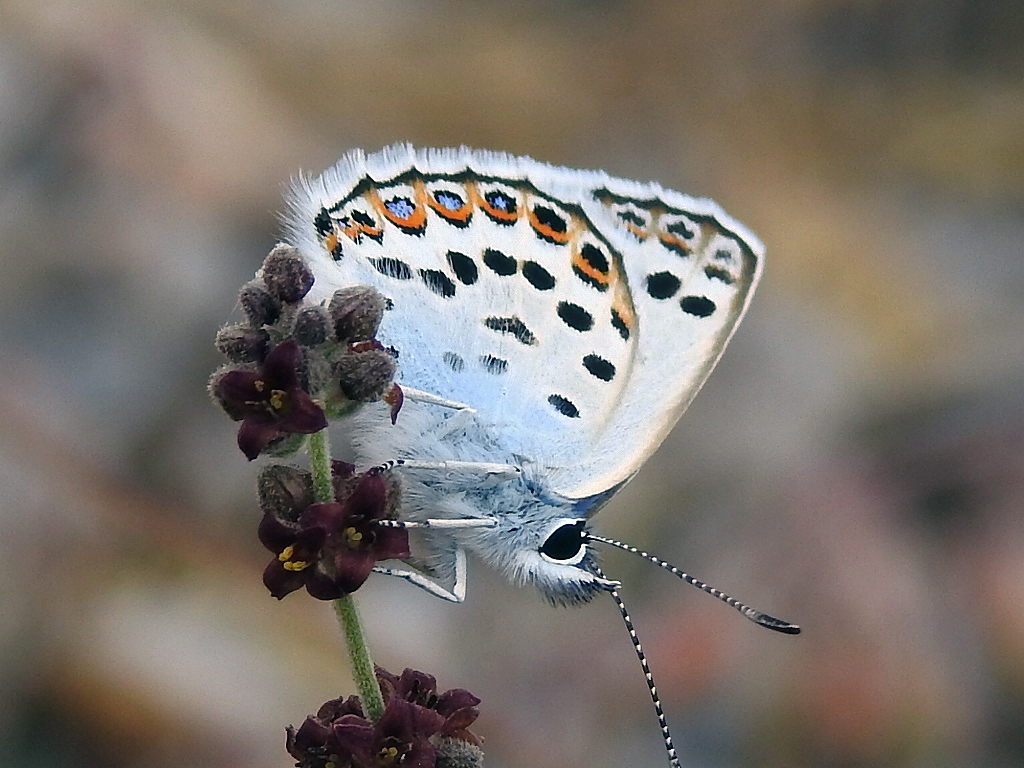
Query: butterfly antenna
pixel 673 758
pixel 754 615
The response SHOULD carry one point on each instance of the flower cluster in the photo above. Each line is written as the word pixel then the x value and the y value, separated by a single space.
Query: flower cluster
pixel 420 728
pixel 295 365
pixel 328 548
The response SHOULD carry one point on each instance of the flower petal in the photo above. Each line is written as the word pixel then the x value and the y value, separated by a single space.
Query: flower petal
pixel 352 567
pixel 352 736
pixel 328 515
pixel 369 498
pixel 321 586
pixel 275 534
pixel 454 700
pixel 280 581
pixel 236 390
pixel 416 686
pixel 304 416
pixel 256 433
pixel 278 367
pixel 391 544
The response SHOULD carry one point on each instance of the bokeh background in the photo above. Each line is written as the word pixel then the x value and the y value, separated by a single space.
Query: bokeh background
pixel 855 464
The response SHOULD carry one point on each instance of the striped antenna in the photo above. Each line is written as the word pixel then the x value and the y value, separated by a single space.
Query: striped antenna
pixel 754 615
pixel 673 758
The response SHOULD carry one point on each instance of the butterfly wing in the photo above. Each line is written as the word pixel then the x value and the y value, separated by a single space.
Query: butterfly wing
pixel 691 272
pixel 535 294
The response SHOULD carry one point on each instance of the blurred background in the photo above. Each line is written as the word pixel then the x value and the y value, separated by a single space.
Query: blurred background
pixel 855 464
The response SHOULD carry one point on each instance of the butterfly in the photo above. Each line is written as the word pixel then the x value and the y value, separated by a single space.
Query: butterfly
pixel 550 326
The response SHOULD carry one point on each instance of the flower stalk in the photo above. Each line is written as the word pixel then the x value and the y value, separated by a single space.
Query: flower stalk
pixel 359 656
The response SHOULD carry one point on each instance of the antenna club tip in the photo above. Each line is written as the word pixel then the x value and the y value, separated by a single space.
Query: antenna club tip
pixel 778 625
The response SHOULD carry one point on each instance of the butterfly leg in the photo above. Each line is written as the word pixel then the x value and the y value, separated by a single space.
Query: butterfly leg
pixel 419 396
pixel 458 591
pixel 483 472
pixel 462 417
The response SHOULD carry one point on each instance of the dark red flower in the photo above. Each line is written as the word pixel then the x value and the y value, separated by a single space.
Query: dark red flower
pixel 269 401
pixel 308 743
pixel 401 737
pixel 413 731
pixel 330 548
pixel 456 706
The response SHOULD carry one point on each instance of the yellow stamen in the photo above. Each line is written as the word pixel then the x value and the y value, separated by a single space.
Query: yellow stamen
pixel 292 565
pixel 353 537
pixel 278 398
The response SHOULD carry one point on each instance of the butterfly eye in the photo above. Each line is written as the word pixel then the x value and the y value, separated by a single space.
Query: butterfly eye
pixel 565 543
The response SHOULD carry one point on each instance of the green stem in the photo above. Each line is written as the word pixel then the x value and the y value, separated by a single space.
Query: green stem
pixel 345 608
pixel 320 463
pixel 362 664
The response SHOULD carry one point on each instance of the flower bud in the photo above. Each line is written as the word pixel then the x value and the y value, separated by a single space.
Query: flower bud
pixel 286 274
pixel 365 376
pixel 243 344
pixel 312 326
pixel 258 304
pixel 284 490
pixel 356 312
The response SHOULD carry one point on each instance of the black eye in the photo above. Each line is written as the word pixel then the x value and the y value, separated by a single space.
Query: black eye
pixel 565 542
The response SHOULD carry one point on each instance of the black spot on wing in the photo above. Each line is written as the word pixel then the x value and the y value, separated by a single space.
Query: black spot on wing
pixel 662 285
pixel 322 223
pixel 438 282
pixel 390 267
pixel 512 326
pixel 499 262
pixel 493 364
pixel 620 325
pixel 564 406
pixel 463 267
pixel 537 276
pixel 550 226
pixel 594 257
pixel 698 306
pixel 679 228
pixel 599 367
pixel 717 273
pixel 361 217
pixel 575 316
pixel 454 361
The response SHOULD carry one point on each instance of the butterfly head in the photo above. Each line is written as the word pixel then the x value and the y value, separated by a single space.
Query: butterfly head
pixel 560 562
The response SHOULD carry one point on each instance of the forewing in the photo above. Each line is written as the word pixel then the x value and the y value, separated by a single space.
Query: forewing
pixel 578 314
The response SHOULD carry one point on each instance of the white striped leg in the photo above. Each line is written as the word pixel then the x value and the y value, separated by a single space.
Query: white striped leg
pixel 483 472
pixel 458 591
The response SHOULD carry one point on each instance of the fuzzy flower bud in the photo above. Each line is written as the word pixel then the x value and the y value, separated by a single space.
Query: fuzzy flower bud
pixel 286 275
pixel 312 326
pixel 243 344
pixel 259 305
pixel 356 312
pixel 365 376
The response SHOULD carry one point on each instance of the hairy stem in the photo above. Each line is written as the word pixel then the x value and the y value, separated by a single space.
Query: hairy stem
pixel 359 654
